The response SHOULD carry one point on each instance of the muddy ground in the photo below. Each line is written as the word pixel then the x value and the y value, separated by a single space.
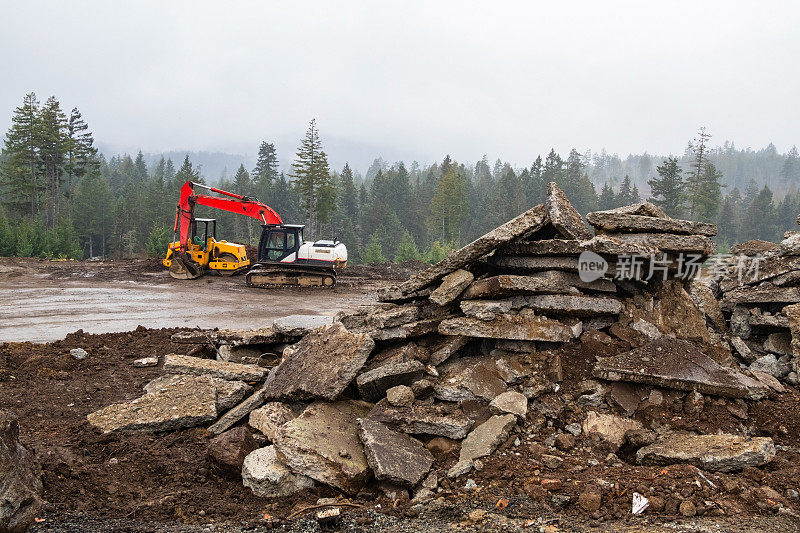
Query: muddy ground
pixel 146 482
pixel 43 301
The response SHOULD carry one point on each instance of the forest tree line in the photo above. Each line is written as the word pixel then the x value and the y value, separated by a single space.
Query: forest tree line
pixel 61 198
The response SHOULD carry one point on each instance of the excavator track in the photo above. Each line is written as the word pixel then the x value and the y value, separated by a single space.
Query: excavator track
pixel 270 276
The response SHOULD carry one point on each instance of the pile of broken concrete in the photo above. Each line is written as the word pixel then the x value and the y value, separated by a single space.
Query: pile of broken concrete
pixel 501 345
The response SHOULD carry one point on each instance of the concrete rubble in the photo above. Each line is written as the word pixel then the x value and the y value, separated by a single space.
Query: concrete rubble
pixel 504 348
pixel 20 479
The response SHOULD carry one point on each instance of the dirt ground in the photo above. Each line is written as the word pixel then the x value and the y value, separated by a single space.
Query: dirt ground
pixel 147 482
pixel 43 301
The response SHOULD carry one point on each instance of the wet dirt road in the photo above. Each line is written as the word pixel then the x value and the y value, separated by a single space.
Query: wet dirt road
pixel 45 304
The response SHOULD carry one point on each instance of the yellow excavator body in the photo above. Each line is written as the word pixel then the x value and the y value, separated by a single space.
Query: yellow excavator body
pixel 225 258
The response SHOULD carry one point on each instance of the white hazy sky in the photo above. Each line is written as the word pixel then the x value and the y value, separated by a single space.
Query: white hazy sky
pixel 411 80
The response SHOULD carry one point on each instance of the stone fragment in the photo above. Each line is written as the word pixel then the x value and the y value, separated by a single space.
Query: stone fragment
pixel 767 364
pixel 452 286
pixel 400 396
pixel 686 244
pixel 590 501
pixel 79 354
pixel 524 327
pixel 768 380
pixel 637 438
pixel 791 245
pixel 562 304
pixel 703 297
pixel 779 343
pixel 299 325
pixel 468 378
pixel 486 309
pixel 552 461
pixel 536 264
pixel 510 402
pixel 185 364
pixel 610 428
pixel 240 411
pixel 677 364
pixel 740 322
pixel 166 409
pixel 145 362
pixel 460 468
pixel 565 441
pixel 268 418
pixel 423 419
pixel 765 321
pixel 228 450
pixel 449 346
pixel 528 222
pixel 712 453
pixel 372 385
pixel 228 393
pixel 239 337
pixel 792 312
pixel 484 439
pixel 506 284
pixel 321 365
pixel 267 477
pixel 762 294
pixel 393 456
pixel 603 245
pixel 687 508
pixel 406 331
pixel 753 248
pixel 323 444
pixel 645 209
pixel 563 216
pixel 622 223
pixel 742 349
pixel 20 479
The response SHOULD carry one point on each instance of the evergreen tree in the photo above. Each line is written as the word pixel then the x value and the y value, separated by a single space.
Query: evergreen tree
pixel 20 169
pixel 94 213
pixel 790 172
pixel 553 169
pixel 349 201
pixel 758 222
pixel 141 167
pixel 573 172
pixel 53 145
pixel 185 173
pixel 406 249
pixel 449 206
pixel 585 198
pixel 81 154
pixel 706 197
pixel 695 187
pixel 265 173
pixel 607 198
pixel 373 253
pixel 625 195
pixel 7 241
pixel 535 186
pixel 667 188
pixel 313 179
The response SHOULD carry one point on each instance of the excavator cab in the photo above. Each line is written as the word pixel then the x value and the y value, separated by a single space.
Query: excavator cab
pixel 280 242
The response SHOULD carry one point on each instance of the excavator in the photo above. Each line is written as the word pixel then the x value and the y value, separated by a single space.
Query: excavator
pixel 284 258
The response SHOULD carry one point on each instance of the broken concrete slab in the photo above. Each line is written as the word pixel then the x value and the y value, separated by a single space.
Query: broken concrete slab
pixel 451 287
pixel 166 409
pixel 701 292
pixel 484 439
pixel 687 244
pixel 510 402
pixel 623 223
pixel 445 349
pixel 677 364
pixel 238 337
pixel 763 293
pixel 610 428
pixel 753 248
pixel 394 457
pixel 394 316
pixel 230 418
pixel 742 349
pixel 645 209
pixel 486 309
pixel 752 272
pixel 712 453
pixel 185 364
pixel 791 245
pixel 563 216
pixel 299 325
pixel 423 419
pixel 503 285
pixel 373 384
pixel 792 313
pixel 763 321
pixel 406 331
pixel 535 263
pixel 229 393
pixel 564 304
pixel 599 244
pixel 267 477
pixel 527 222
pixel 400 396
pixel 468 378
pixel 269 417
pixel 522 326
pixel 779 343
pixel 323 444
pixel 21 485
pixel 768 380
pixel 228 451
pixel 321 365
pixel 145 362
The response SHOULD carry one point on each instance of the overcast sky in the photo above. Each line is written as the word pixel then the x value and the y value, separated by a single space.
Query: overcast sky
pixel 411 80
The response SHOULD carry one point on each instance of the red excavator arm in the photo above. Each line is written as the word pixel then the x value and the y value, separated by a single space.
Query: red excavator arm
pixel 235 203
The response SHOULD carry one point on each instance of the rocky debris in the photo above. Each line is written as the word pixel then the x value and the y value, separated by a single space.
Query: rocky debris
pixel 779 343
pixel 79 354
pixel 510 402
pixel 680 365
pixel 271 416
pixel 602 245
pixel 394 457
pixel 521 326
pixel 468 378
pixel 185 364
pixel 610 428
pixel 423 419
pixel 563 216
pixel 243 409
pixel 180 405
pixel 503 285
pixel 400 396
pixel 228 450
pixel 577 306
pixel 484 439
pixel 712 453
pixel 238 337
pixel 321 365
pixel 145 362
pixel 299 325
pixel 323 444
pixel 449 346
pixel 20 479
pixel 373 384
pixel 452 286
pixel 228 393
pixel 267 477
pixel 611 222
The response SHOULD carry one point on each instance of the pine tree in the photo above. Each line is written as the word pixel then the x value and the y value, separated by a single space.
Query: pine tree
pixel 694 181
pixel 266 170
pixel 607 198
pixel 313 179
pixel 373 253
pixel 625 195
pixel 53 145
pixel 81 154
pixel 706 197
pixel 758 222
pixel 406 249
pixel 141 167
pixel 535 187
pixel 94 213
pixel 185 173
pixel 585 198
pixel 449 206
pixel 349 201
pixel 20 169
pixel 573 172
pixel 553 169
pixel 7 241
pixel 790 172
pixel 667 189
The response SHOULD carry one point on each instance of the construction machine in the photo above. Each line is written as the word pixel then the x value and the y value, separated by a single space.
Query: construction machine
pixel 284 258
